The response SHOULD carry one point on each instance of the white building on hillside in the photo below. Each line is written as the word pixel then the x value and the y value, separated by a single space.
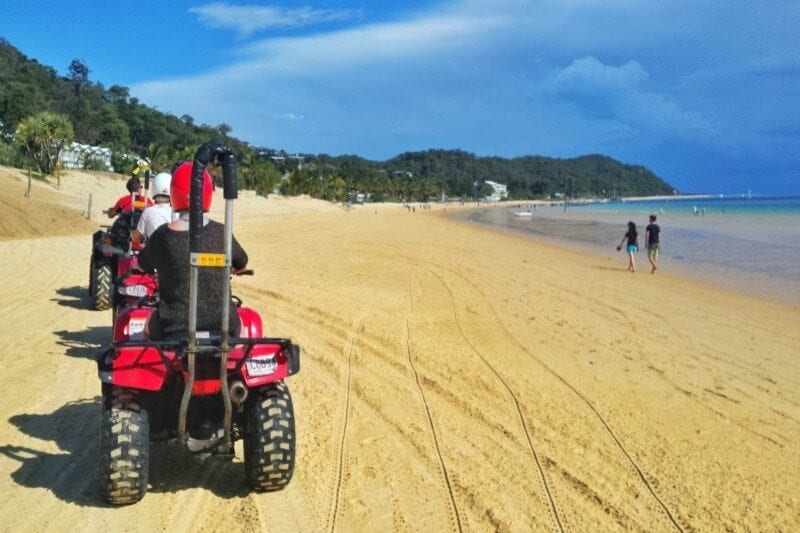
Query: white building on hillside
pixel 75 155
pixel 499 191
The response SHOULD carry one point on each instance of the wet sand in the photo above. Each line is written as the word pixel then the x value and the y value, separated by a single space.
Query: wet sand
pixel 740 252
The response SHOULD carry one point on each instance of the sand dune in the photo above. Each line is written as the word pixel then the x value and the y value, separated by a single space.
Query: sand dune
pixel 43 213
pixel 453 379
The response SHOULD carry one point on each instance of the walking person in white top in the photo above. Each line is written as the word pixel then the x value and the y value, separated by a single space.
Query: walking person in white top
pixel 155 216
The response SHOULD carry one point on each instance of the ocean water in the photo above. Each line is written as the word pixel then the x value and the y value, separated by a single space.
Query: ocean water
pixel 731 205
pixel 747 245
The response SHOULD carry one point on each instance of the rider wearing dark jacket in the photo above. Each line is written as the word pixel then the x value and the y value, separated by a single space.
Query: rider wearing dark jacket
pixel 167 252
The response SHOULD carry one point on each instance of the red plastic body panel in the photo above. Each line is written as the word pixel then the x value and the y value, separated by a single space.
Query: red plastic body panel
pixel 140 278
pixel 145 369
pixel 204 387
pixel 125 262
pixel 265 350
pixel 130 323
pixel 128 269
pixel 252 327
pixel 139 368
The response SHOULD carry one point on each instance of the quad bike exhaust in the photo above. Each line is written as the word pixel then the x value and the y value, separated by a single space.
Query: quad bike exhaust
pixel 238 392
pixel 208 152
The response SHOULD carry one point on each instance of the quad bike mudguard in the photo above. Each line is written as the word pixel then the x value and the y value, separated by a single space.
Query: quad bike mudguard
pixel 136 363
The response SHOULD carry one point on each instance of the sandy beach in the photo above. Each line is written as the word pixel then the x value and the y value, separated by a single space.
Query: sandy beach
pixel 454 378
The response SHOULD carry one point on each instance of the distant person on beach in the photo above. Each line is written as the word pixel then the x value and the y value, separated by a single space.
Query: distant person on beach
pixel 632 236
pixel 652 239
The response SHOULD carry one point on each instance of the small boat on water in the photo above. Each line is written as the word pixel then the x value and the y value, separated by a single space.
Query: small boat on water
pixel 523 214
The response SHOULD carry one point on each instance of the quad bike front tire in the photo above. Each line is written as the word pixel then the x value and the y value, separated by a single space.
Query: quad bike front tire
pixel 124 448
pixel 269 446
pixel 101 285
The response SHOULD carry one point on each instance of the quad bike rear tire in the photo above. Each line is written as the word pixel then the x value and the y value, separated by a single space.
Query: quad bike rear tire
pixel 269 446
pixel 101 285
pixel 124 448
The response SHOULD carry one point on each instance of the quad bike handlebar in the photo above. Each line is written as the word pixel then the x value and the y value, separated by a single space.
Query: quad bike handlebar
pixel 208 152
pixel 212 151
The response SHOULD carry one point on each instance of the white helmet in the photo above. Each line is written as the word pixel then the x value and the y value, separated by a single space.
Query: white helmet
pixel 161 184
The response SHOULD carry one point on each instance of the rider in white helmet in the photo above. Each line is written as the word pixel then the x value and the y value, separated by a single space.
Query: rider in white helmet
pixel 158 214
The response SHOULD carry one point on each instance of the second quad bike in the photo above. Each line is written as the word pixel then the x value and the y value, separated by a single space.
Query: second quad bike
pixel 111 250
pixel 206 390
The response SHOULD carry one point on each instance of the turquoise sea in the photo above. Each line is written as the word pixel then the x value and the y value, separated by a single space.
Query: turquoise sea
pixel 732 205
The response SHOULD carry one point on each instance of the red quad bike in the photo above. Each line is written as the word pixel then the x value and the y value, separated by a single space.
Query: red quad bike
pixel 206 391
pixel 113 255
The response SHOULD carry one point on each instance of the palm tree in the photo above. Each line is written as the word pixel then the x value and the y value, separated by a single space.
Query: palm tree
pixel 157 156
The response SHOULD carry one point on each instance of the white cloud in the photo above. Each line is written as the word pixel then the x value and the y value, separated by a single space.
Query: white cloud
pixel 461 74
pixel 249 19
pixel 342 50
pixel 620 93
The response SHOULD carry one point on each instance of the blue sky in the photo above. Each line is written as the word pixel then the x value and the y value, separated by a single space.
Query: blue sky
pixel 705 93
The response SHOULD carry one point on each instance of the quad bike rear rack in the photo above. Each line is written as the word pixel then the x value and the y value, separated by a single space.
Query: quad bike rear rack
pixel 292 351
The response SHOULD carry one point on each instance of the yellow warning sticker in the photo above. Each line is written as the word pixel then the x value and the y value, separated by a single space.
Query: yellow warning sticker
pixel 208 260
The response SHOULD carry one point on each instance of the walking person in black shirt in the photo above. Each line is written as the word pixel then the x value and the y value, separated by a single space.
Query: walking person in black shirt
pixel 652 239
pixel 167 252
pixel 632 236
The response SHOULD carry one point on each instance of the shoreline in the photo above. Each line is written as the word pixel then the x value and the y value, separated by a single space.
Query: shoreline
pixel 576 234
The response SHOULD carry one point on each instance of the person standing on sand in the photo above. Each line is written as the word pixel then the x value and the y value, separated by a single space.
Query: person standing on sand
pixel 632 236
pixel 652 239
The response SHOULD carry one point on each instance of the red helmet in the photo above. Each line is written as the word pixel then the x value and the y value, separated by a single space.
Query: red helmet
pixel 181 184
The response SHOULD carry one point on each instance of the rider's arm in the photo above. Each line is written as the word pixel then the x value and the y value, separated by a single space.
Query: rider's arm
pixel 149 252
pixel 117 208
pixel 238 255
pixel 138 234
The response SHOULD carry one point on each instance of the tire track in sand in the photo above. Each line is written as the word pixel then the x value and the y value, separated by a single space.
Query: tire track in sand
pixel 604 424
pixel 351 341
pixel 583 399
pixel 542 475
pixel 456 519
